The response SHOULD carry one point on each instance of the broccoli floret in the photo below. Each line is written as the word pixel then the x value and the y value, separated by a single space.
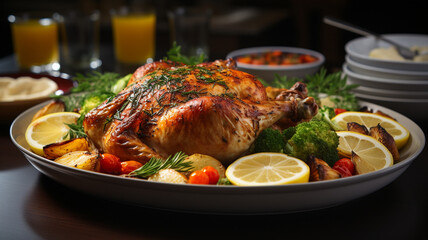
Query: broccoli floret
pixel 288 133
pixel 269 140
pixel 326 114
pixel 313 138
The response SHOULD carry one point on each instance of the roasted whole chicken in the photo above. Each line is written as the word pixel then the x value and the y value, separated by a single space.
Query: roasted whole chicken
pixel 210 108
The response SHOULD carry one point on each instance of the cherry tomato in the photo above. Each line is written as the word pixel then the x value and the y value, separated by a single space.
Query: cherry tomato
pixel 339 110
pixel 345 167
pixel 199 177
pixel 110 164
pixel 344 172
pixel 212 173
pixel 129 166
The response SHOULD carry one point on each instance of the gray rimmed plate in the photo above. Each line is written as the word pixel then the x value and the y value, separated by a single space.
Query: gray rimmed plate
pixel 222 199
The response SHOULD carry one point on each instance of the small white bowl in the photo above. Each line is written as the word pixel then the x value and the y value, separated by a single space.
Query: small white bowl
pixel 384 72
pixel 268 73
pixel 360 48
pixel 384 83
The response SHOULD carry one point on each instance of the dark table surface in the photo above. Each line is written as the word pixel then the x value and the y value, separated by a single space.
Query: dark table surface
pixel 33 206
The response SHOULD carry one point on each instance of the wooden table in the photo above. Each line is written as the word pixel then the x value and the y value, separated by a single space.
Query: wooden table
pixel 35 207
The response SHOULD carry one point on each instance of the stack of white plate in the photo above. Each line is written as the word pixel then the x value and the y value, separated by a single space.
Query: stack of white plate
pixel 399 85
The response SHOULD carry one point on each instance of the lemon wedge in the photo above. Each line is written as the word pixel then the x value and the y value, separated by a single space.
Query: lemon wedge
pixel 398 132
pixel 267 169
pixel 373 155
pixel 48 129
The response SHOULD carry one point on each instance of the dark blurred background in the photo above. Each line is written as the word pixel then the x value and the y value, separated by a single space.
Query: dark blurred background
pixel 296 23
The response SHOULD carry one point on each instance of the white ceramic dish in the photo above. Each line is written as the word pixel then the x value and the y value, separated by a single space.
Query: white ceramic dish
pixel 421 95
pixel 267 73
pixel 383 83
pixel 223 199
pixel 385 73
pixel 360 48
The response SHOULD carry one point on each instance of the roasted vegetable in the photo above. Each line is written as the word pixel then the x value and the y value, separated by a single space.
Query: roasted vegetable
pixel 110 164
pixel 212 173
pixel 56 150
pixel 320 170
pixel 356 127
pixel 169 176
pixel 359 164
pixel 269 140
pixel 80 159
pixel 199 177
pixel 199 161
pixel 313 138
pixel 129 166
pixel 345 167
pixel 380 134
pixel 51 107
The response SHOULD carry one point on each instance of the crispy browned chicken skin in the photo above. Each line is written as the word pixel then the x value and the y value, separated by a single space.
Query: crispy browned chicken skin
pixel 210 108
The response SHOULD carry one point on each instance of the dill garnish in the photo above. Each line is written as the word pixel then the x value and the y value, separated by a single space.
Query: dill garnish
pixel 154 165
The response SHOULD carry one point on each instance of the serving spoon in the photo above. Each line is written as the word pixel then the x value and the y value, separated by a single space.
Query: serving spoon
pixel 405 52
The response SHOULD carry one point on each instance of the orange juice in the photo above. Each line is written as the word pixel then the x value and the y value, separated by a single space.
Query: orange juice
pixel 35 42
pixel 134 37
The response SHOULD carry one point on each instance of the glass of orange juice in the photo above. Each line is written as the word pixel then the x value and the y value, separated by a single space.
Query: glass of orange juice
pixel 134 35
pixel 35 42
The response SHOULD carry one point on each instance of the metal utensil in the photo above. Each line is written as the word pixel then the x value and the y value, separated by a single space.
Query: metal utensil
pixel 405 52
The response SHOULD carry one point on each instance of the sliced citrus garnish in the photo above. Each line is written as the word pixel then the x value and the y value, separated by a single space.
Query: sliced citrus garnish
pixel 373 155
pixel 49 129
pixel 398 132
pixel 267 169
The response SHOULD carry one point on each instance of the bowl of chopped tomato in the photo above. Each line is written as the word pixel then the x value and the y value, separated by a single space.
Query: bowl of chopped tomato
pixel 266 62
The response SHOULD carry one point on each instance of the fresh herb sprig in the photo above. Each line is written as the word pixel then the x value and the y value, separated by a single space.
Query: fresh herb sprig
pixel 333 85
pixel 154 165
pixel 91 84
pixel 91 89
pixel 76 129
pixel 174 54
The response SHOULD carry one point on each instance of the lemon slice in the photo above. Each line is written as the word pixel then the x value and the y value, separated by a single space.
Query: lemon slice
pixel 398 132
pixel 267 169
pixel 49 129
pixel 373 155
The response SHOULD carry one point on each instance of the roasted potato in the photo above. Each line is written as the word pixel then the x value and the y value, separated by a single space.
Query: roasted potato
pixel 200 160
pixel 168 175
pixel 81 159
pixel 52 107
pixel 56 150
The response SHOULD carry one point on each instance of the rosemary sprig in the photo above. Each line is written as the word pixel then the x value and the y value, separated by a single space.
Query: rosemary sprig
pixel 76 129
pixel 154 165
